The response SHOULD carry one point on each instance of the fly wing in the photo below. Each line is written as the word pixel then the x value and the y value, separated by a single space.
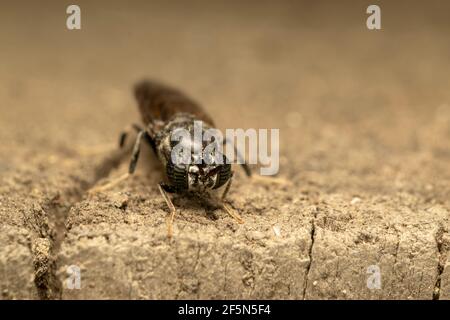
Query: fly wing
pixel 159 102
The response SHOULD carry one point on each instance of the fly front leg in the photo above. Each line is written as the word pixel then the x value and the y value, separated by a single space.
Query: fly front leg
pixel 227 187
pixel 131 168
pixel 164 189
pixel 233 213
pixel 136 152
pixel 226 207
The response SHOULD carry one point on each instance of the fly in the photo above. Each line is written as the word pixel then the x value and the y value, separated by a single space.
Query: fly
pixel 164 111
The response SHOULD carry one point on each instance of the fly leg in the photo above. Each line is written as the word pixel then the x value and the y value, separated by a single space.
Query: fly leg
pixel 227 187
pixel 228 209
pixel 164 189
pixel 131 168
pixel 225 206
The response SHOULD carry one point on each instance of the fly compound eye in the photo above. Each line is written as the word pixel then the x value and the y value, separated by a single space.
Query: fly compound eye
pixel 223 175
pixel 177 176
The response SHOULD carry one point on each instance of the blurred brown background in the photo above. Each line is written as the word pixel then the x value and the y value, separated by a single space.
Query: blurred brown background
pixel 312 69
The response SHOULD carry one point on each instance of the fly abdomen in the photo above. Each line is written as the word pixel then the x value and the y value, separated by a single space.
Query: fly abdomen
pixel 159 102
